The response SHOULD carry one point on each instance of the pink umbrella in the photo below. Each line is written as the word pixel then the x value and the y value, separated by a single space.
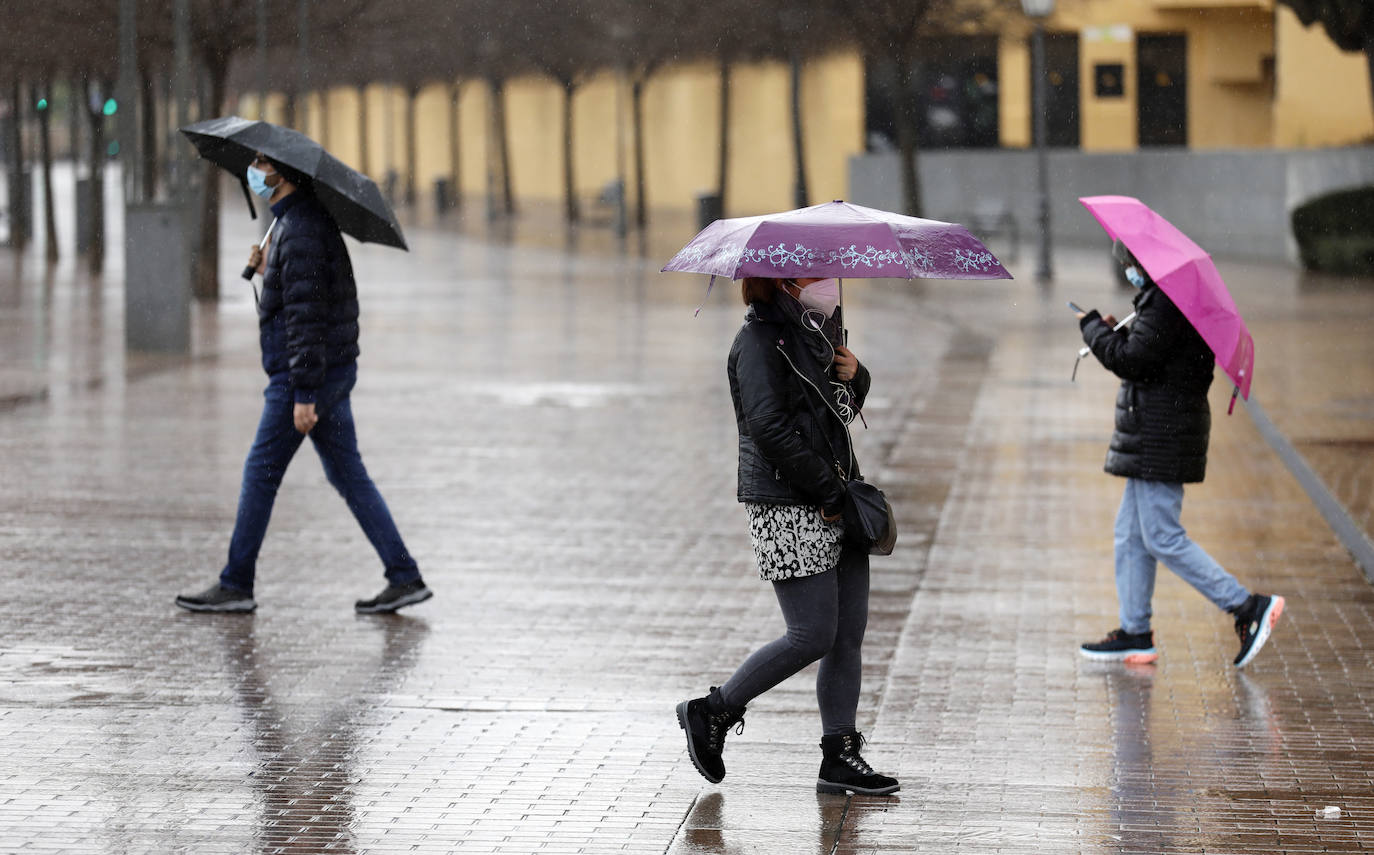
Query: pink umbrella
pixel 837 239
pixel 1187 274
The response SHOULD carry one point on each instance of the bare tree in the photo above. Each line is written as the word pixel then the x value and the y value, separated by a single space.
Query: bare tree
pixel 643 37
pixel 891 29
pixel 1348 23
pixel 569 59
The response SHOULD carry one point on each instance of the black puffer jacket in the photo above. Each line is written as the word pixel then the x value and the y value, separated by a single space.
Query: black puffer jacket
pixel 790 437
pixel 1162 416
pixel 308 313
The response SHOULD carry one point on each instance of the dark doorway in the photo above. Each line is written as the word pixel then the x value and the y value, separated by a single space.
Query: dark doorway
pixel 1162 89
pixel 954 91
pixel 1061 67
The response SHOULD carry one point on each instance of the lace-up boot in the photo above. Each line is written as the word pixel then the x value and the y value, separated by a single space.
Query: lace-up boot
pixel 844 770
pixel 706 721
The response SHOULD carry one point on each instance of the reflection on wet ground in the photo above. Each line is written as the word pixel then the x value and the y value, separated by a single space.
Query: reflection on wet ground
pixel 553 433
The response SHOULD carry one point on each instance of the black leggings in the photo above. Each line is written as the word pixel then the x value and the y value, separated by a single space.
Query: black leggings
pixel 826 616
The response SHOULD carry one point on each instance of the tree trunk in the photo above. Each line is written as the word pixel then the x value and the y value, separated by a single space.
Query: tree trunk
pixel 148 99
pixel 323 97
pixel 455 134
pixel 288 118
pixel 637 121
pixel 412 147
pixel 19 232
pixel 724 146
pixel 363 165
pixel 206 285
pixel 1369 62
pixel 97 201
pixel 75 108
pixel 569 180
pixel 798 149
pixel 45 152
pixel 906 138
pixel 498 108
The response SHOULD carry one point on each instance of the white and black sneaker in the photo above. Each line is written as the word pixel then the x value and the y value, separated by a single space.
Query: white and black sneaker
pixel 394 597
pixel 1255 620
pixel 217 598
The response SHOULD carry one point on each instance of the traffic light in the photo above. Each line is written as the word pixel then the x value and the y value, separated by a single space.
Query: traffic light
pixel 111 106
pixel 42 104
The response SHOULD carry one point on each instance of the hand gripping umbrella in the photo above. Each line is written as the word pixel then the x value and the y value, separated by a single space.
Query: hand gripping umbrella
pixel 1187 274
pixel 837 239
pixel 350 197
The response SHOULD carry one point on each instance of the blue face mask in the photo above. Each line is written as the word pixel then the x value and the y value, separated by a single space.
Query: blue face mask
pixel 1134 276
pixel 257 182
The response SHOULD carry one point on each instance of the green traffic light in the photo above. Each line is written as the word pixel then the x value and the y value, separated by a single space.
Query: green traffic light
pixel 111 106
pixel 42 104
pixel 112 149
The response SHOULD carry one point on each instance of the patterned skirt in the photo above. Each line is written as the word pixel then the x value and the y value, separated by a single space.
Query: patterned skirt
pixel 791 541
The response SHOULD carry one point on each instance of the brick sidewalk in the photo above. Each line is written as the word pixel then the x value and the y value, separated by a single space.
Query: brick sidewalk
pixel 554 436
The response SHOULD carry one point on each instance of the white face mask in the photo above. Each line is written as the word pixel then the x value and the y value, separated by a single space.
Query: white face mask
pixel 822 295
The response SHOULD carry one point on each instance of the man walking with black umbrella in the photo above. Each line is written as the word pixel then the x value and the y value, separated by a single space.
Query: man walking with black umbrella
pixel 308 322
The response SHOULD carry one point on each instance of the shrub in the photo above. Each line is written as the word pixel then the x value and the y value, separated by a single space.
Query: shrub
pixel 1335 232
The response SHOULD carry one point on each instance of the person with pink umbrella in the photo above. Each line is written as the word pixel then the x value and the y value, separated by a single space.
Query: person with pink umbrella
pixel 1163 422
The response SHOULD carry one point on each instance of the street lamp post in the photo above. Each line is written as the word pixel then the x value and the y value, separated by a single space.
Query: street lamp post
pixel 1038 11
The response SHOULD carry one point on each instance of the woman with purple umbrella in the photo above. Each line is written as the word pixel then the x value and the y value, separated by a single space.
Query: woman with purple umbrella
pixel 1163 422
pixel 796 388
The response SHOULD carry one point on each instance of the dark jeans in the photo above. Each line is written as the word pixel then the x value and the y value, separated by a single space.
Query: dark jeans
pixel 826 617
pixel 337 444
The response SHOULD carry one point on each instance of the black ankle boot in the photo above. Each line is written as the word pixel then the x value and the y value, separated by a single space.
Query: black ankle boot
pixel 843 770
pixel 706 721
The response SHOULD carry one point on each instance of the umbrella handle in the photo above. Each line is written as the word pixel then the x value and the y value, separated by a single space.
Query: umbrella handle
pixel 249 269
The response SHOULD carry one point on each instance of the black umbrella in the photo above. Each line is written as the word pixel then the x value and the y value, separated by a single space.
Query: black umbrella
pixel 351 198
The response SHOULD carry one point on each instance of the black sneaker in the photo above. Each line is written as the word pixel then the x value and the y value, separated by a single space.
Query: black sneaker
pixel 843 770
pixel 706 732
pixel 217 598
pixel 1255 619
pixel 395 597
pixel 1122 646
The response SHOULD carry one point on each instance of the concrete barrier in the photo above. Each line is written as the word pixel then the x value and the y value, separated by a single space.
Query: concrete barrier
pixel 157 278
pixel 1232 203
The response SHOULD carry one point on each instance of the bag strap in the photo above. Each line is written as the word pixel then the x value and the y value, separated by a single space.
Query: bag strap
pixel 843 472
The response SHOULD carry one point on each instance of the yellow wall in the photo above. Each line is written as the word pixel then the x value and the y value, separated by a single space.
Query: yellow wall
pixel 1323 95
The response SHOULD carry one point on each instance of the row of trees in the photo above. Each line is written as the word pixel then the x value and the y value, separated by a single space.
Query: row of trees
pixel 300 47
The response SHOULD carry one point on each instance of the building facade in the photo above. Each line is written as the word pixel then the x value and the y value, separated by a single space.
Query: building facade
pixel 1124 75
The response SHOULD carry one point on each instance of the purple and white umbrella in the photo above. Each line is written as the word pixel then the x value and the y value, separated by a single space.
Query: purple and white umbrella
pixel 840 240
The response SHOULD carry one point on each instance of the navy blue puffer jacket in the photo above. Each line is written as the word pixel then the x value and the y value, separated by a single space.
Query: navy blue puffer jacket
pixel 308 312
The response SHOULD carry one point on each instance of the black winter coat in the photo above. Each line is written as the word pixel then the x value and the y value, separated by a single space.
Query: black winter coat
pixel 1162 416
pixel 308 312
pixel 790 436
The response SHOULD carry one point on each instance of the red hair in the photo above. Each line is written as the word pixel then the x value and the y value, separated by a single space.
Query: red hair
pixel 757 289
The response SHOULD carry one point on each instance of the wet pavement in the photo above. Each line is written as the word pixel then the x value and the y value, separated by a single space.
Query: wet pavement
pixel 552 430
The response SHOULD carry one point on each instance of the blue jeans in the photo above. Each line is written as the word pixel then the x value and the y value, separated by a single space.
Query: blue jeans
pixel 1148 531
pixel 337 444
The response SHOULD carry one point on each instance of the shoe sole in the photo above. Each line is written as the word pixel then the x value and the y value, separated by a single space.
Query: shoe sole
pixel 691 749
pixel 1130 657
pixel 407 600
pixel 232 606
pixel 1267 621
pixel 824 786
